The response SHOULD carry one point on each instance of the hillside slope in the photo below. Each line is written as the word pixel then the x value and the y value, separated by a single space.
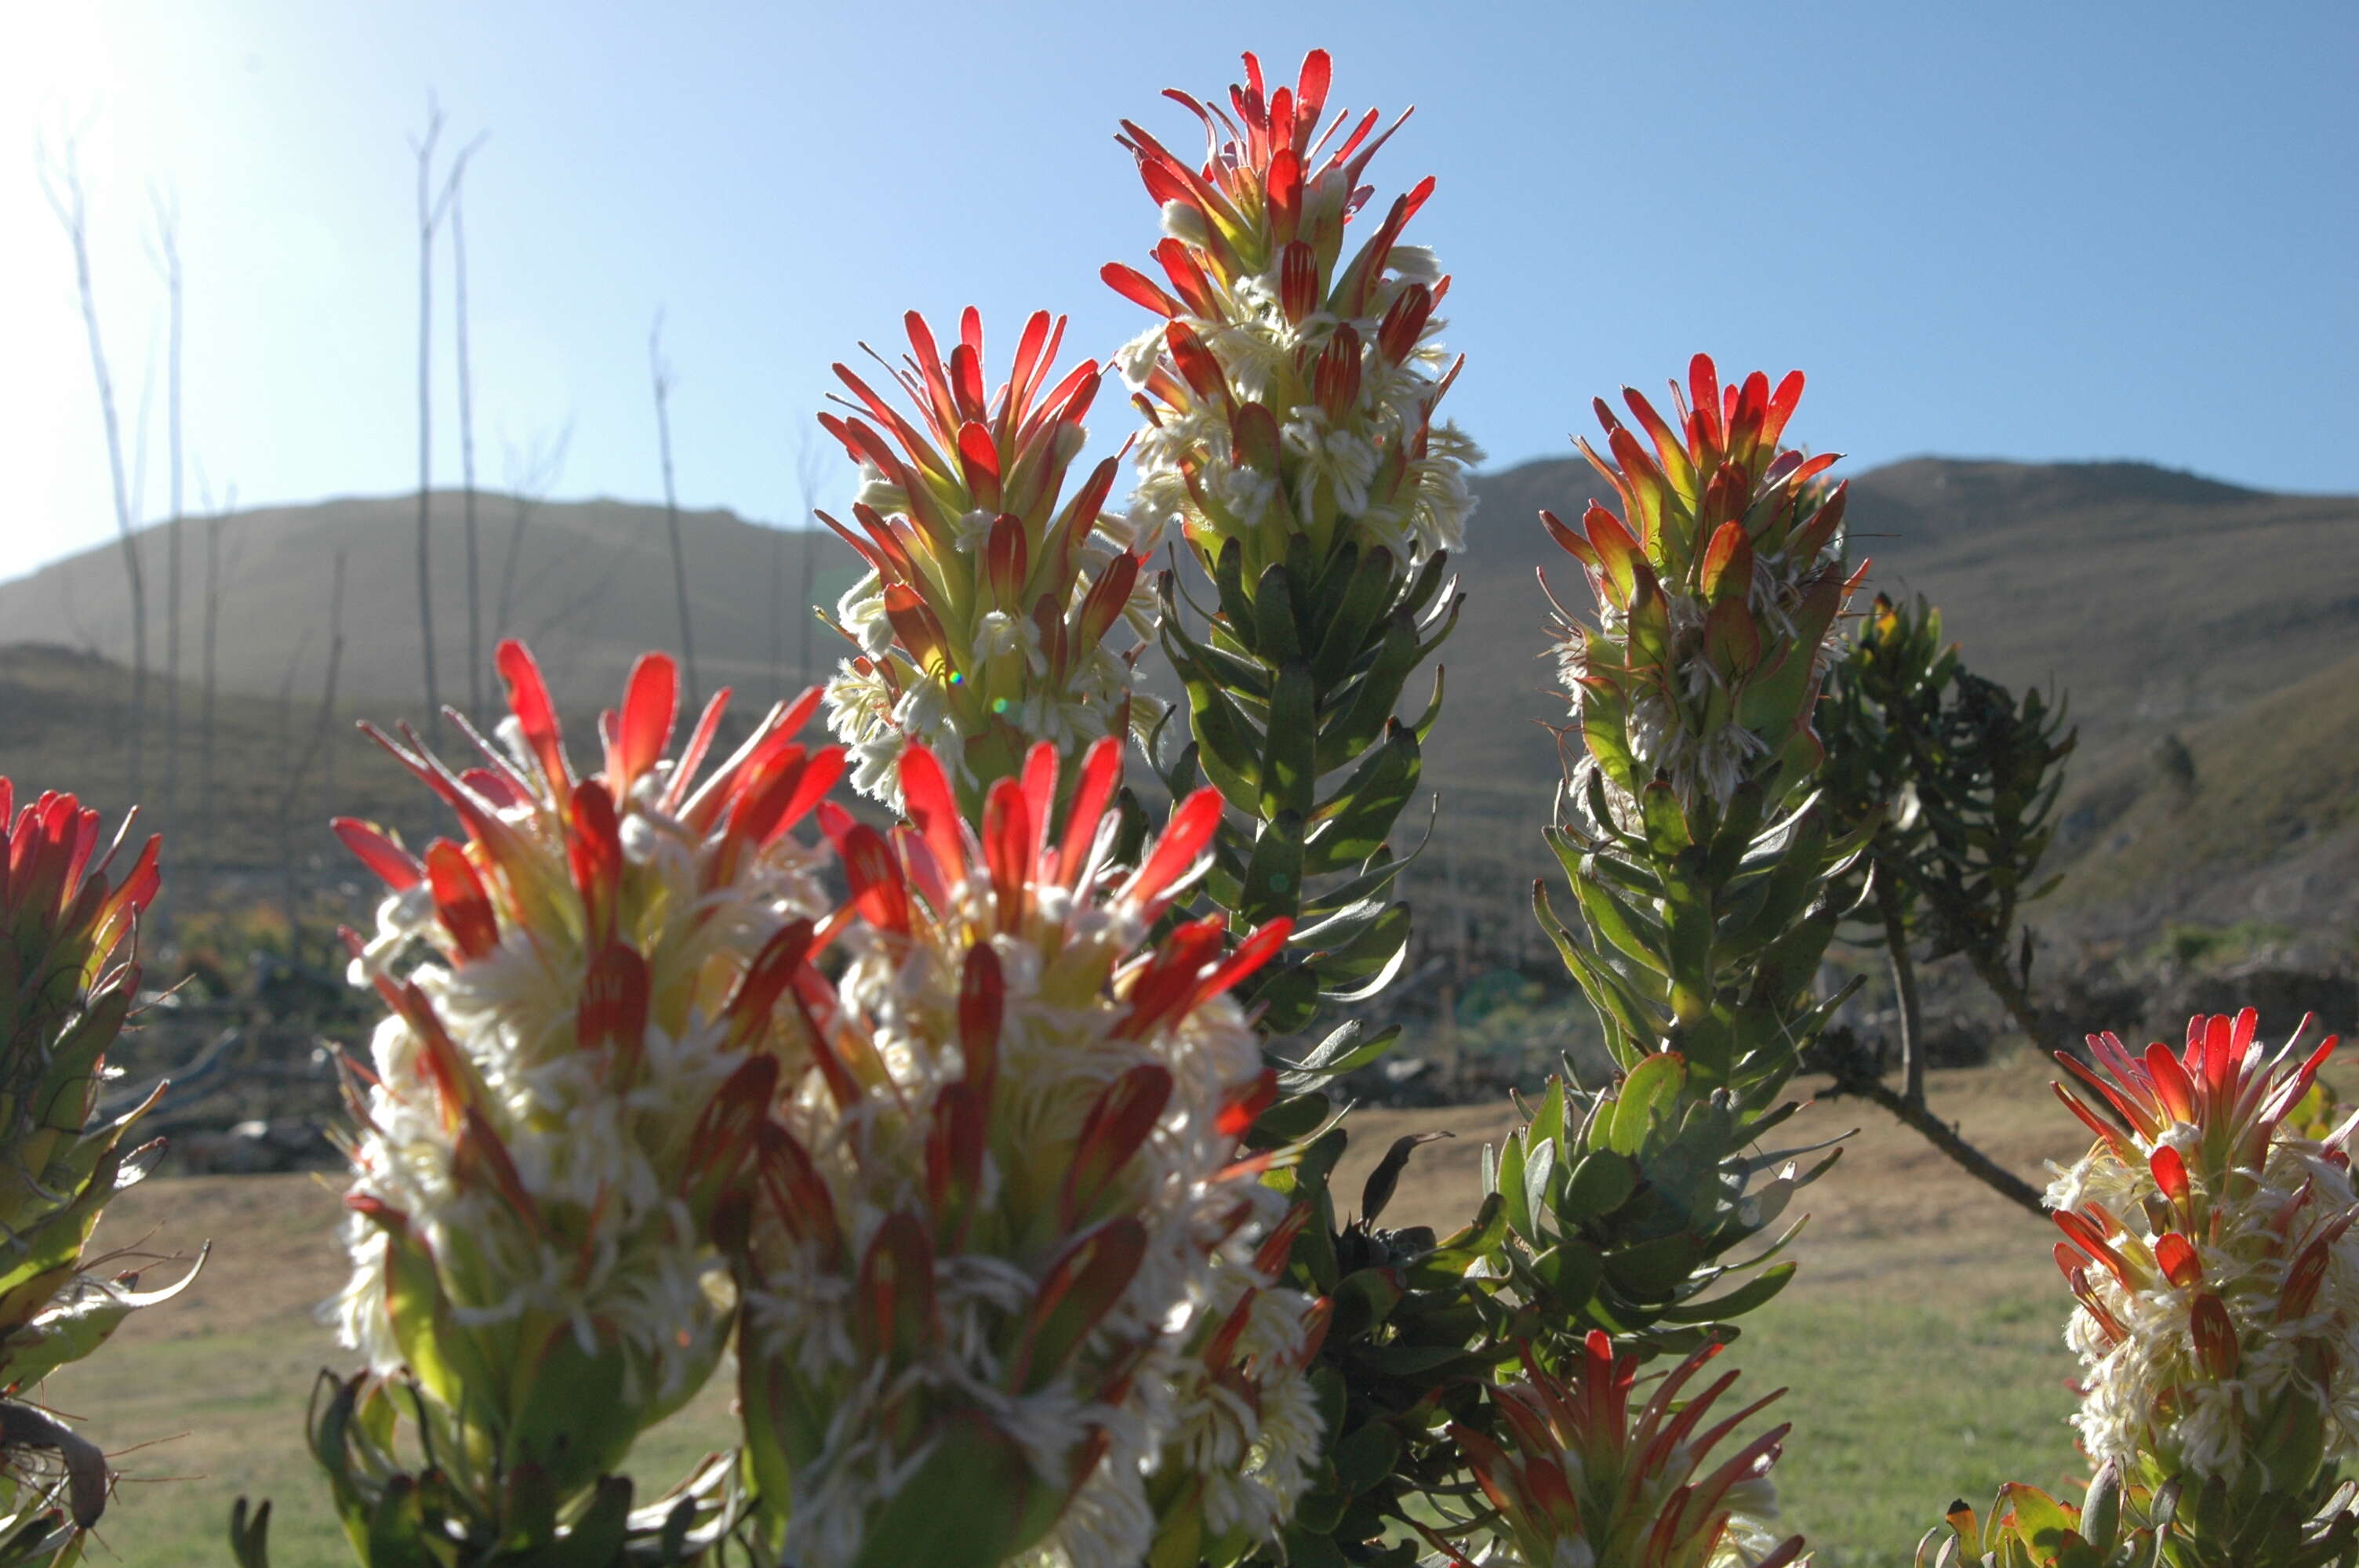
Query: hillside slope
pixel 2158 602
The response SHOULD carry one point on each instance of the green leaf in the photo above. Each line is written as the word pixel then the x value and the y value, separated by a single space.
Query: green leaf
pixel 1755 1291
pixel 1288 769
pixel 1272 883
pixel 1367 1456
pixel 1275 638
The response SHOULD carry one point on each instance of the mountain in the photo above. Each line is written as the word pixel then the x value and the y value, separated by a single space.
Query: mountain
pixel 2161 603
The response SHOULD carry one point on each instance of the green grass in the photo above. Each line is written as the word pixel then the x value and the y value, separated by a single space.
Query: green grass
pixel 1900 1405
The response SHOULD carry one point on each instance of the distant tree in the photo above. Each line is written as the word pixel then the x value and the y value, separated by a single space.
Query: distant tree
pixel 1960 778
pixel 61 183
pixel 432 208
pixel 659 372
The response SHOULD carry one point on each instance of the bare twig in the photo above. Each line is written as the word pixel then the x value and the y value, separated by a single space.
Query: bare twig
pixel 164 251
pixel 810 460
pixel 467 435
pixel 659 372
pixel 61 183
pixel 313 747
pixel 431 209
pixel 531 475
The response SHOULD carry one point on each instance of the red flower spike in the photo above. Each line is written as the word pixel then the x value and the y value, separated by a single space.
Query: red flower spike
pixel 1101 774
pixel 650 706
pixel 1007 840
pixel 765 980
pixel 2169 1175
pixel 528 699
pixel 1246 1105
pixel 478 1158
pixel 877 891
pixel 723 1138
pixel 398 869
pixel 460 901
pixel 1116 1127
pixel 2176 1257
pixel 594 850
pixel 2215 1337
pixel 1079 1289
pixel 983 1001
pixel 897 1319
pixel 1174 855
pixel 955 1141
pixel 612 1013
pixel 795 1191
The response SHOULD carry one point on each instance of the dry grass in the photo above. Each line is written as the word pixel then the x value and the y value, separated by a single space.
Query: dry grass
pixel 1920 1340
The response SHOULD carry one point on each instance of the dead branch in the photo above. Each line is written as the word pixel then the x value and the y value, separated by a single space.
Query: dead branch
pixel 659 372
pixel 61 183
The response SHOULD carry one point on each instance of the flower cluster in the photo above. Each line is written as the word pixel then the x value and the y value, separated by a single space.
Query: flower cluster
pixel 68 977
pixel 1289 390
pixel 1589 1484
pixel 571 1076
pixel 2207 1238
pixel 988 616
pixel 998 1202
pixel 1717 587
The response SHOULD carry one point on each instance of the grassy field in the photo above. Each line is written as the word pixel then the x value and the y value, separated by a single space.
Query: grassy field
pixel 1920 1342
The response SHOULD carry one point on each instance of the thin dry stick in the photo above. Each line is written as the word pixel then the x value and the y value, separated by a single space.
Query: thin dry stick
pixel 313 747
pixel 809 458
pixel 61 183
pixel 206 804
pixel 467 440
pixel 431 210
pixel 531 478
pixel 166 252
pixel 660 372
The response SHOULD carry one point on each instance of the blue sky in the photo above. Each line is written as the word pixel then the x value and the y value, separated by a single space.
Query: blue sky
pixel 2026 230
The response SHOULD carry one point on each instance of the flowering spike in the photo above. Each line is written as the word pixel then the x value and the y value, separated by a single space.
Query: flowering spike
pixel 460 901
pixel 394 866
pixel 529 698
pixel 1118 1124
pixel 650 706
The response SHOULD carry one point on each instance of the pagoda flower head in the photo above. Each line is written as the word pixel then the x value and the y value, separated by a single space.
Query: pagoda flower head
pixel 69 978
pixel 1716 586
pixel 1584 1481
pixel 1246 1432
pixel 1001 1195
pixel 580 992
pixel 1290 386
pixel 2208 1240
pixel 997 611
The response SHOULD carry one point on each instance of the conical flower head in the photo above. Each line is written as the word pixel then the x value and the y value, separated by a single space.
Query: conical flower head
pixel 69 978
pixel 1289 389
pixel 1716 591
pixel 994 611
pixel 576 1055
pixel 2208 1241
pixel 994 1203
pixel 1586 1479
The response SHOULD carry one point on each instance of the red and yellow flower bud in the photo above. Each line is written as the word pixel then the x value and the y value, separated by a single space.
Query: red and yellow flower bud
pixel 1289 389
pixel 989 619
pixel 2208 1241
pixel 1716 587
pixel 992 1211
pixel 69 980
pixel 574 1069
pixel 1584 1481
